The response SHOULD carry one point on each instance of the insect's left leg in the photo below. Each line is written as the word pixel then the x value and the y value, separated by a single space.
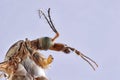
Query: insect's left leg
pixel 67 49
pixel 60 47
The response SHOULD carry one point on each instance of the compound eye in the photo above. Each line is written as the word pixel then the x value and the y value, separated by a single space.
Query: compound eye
pixel 45 43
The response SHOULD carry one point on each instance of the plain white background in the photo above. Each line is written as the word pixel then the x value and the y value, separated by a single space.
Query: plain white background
pixel 91 26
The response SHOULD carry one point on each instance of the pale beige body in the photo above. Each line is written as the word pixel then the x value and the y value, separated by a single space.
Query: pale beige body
pixel 33 62
pixel 15 74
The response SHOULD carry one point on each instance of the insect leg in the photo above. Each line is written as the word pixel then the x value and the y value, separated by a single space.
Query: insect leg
pixel 86 58
pixel 49 20
pixel 67 49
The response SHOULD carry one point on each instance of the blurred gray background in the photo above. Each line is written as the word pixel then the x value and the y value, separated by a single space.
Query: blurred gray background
pixel 91 26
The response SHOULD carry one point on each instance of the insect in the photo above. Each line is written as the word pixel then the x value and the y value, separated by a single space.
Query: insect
pixel 46 43
pixel 25 60
pixel 14 70
pixel 26 51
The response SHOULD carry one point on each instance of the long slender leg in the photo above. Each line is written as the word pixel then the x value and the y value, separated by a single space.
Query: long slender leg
pixel 49 20
pixel 67 49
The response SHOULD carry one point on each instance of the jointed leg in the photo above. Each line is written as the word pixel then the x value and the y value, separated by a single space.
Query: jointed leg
pixel 67 49
pixel 41 60
pixel 49 20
